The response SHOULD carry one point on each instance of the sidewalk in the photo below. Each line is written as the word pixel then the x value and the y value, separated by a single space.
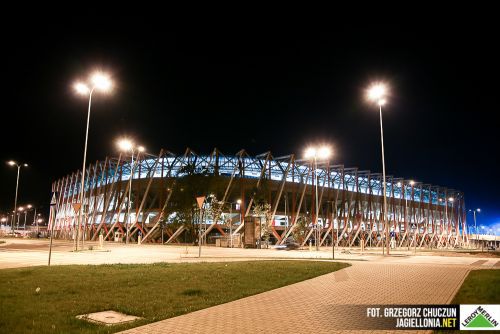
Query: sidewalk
pixel 308 307
pixel 23 253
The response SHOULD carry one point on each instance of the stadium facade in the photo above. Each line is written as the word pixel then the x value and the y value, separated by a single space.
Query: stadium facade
pixel 350 201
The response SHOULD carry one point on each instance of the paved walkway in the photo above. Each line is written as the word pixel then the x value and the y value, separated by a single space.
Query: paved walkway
pixel 314 306
pixel 23 253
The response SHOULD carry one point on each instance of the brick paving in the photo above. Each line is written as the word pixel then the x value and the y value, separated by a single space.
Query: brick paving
pixel 315 305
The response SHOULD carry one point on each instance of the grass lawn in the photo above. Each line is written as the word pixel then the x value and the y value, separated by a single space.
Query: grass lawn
pixel 155 292
pixel 480 287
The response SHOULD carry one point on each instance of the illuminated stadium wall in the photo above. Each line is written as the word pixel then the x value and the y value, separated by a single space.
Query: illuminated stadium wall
pixel 418 214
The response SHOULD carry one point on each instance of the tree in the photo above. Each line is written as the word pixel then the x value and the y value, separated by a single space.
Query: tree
pixel 191 183
pixel 194 181
pixel 263 210
pixel 300 230
pixel 215 207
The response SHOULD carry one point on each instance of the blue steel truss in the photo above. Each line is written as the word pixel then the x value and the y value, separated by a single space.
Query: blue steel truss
pixel 225 166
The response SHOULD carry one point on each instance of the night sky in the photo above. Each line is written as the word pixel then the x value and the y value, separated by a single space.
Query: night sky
pixel 273 88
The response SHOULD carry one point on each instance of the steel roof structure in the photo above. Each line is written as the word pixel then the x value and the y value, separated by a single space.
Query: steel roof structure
pixel 349 199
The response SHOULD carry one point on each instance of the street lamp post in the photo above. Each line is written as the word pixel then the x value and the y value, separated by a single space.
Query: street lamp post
pixel 21 210
pixel 238 207
pixel 34 219
pixel 38 221
pixel 316 238
pixel 478 210
pixel 101 82
pixel 29 206
pixel 452 201
pixel 314 153
pixel 377 93
pixel 19 165
pixel 128 145
pixel 231 225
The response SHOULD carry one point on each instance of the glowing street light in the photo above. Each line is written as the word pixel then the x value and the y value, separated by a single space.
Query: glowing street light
pixel 322 152
pixel 81 88
pixel 316 153
pixel 100 82
pixel 19 165
pixel 377 93
pixel 310 152
pixel 128 145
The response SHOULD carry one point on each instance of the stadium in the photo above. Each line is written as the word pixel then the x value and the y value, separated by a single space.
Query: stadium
pixel 248 199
